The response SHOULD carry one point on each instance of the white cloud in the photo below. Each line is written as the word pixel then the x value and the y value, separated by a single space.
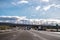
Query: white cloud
pixel 38 7
pixel 17 18
pixel 49 6
pixel 45 0
pixel 22 17
pixel 57 6
pixel 34 21
pixel 21 2
pixel 44 21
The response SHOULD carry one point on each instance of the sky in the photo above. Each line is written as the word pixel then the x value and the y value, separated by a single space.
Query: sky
pixel 34 9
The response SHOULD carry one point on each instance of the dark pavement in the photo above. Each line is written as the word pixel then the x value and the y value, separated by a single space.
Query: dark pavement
pixel 28 35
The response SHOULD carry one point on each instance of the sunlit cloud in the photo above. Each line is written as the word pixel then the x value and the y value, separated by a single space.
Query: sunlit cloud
pixel 49 6
pixel 34 21
pixel 38 7
pixel 22 17
pixel 20 2
pixel 57 6
pixel 45 0
pixel 15 18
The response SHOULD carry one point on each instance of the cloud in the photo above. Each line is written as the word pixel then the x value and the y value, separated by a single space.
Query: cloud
pixel 16 17
pixel 49 6
pixel 45 0
pixel 9 16
pixel 34 21
pixel 38 7
pixel 45 8
pixel 12 19
pixel 20 2
pixel 44 21
pixel 57 6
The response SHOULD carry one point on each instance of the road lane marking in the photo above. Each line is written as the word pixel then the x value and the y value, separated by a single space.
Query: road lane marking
pixel 16 35
pixel 36 35
pixel 47 33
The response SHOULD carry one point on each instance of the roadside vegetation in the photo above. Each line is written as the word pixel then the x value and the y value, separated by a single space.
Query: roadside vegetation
pixel 4 27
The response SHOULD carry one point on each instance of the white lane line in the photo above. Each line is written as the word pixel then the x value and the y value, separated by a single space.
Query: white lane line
pixel 48 33
pixel 15 36
pixel 36 35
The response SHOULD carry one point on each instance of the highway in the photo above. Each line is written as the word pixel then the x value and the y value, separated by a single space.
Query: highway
pixel 29 35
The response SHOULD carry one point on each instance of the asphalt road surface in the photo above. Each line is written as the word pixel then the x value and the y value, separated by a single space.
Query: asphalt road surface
pixel 29 35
